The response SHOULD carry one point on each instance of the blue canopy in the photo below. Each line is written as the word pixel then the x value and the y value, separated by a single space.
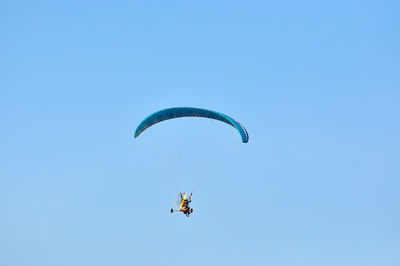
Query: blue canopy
pixel 177 112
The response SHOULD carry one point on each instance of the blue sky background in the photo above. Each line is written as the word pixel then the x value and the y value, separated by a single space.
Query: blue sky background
pixel 317 85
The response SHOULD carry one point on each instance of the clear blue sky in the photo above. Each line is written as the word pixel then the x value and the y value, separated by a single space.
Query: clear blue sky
pixel 316 83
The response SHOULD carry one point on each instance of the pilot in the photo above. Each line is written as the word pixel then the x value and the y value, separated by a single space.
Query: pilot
pixel 186 202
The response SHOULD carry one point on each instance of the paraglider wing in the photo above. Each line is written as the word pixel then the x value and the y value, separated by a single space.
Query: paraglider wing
pixel 177 112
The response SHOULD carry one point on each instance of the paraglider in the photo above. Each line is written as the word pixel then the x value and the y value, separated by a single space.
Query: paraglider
pixel 183 201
